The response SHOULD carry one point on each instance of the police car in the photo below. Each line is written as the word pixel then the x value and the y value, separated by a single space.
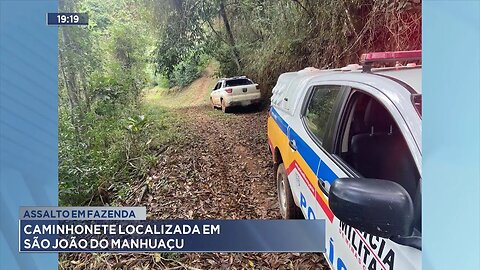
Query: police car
pixel 346 146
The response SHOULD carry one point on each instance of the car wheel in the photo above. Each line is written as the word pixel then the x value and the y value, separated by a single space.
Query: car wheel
pixel 257 107
pixel 225 109
pixel 288 209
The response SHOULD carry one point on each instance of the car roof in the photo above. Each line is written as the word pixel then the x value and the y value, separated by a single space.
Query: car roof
pixel 234 78
pixel 410 76
pixel 397 83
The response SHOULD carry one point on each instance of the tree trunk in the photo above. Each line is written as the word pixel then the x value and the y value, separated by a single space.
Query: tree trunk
pixel 65 65
pixel 231 39
pixel 72 95
pixel 68 75
pixel 67 68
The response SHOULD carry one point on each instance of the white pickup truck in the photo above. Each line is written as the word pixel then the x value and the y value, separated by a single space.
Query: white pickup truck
pixel 235 91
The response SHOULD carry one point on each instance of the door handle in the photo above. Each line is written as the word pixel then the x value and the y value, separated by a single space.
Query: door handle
pixel 293 145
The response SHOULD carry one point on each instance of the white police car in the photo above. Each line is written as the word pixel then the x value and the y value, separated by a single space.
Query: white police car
pixel 346 145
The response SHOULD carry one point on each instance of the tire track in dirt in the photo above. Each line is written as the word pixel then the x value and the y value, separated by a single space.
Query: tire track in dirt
pixel 222 170
pixel 237 144
pixel 227 174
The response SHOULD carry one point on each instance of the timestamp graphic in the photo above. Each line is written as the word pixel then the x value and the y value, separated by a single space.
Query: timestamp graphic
pixel 67 19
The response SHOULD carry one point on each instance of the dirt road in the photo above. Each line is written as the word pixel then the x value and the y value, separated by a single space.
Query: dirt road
pixel 223 171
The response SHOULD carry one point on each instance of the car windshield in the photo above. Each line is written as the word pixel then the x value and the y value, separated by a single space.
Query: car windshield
pixel 237 82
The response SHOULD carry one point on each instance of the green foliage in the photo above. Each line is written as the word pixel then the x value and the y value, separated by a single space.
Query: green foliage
pixel 137 124
pixel 110 152
pixel 263 39
pixel 105 136
pixel 181 43
pixel 109 135
pixel 226 64
pixel 187 71
pixel 277 36
pixel 161 81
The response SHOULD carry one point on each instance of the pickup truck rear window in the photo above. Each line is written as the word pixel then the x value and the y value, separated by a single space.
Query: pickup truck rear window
pixel 237 82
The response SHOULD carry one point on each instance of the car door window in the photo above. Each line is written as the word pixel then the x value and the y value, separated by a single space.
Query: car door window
pixel 319 109
pixel 372 145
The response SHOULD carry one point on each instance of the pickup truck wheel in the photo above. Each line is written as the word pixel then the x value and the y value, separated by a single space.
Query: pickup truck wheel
pixel 257 107
pixel 225 109
pixel 288 209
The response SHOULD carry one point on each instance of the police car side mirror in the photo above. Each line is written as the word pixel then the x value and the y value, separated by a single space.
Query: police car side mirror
pixel 379 207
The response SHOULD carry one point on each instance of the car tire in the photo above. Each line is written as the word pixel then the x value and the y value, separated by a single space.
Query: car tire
pixel 257 107
pixel 225 109
pixel 288 209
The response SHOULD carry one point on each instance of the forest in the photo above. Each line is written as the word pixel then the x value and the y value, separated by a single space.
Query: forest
pixel 134 125
pixel 107 137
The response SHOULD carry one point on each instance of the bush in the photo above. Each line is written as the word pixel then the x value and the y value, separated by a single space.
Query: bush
pixel 273 37
pixel 100 154
pixel 226 64
pixel 188 70
pixel 184 73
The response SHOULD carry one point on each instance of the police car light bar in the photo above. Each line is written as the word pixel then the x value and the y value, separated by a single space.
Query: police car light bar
pixel 368 58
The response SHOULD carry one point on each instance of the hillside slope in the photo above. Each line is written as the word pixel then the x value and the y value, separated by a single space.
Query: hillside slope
pixel 195 94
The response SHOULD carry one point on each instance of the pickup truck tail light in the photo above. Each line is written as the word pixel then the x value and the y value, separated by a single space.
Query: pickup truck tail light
pixel 229 90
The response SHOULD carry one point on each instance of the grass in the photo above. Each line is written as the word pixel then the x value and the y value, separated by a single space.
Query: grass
pixel 167 124
pixel 158 104
pixel 195 94
pixel 177 98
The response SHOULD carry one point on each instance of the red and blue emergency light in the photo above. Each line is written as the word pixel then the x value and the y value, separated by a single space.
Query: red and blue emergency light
pixel 372 57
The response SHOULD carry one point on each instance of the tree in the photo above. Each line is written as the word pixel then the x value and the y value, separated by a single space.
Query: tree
pixel 231 39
